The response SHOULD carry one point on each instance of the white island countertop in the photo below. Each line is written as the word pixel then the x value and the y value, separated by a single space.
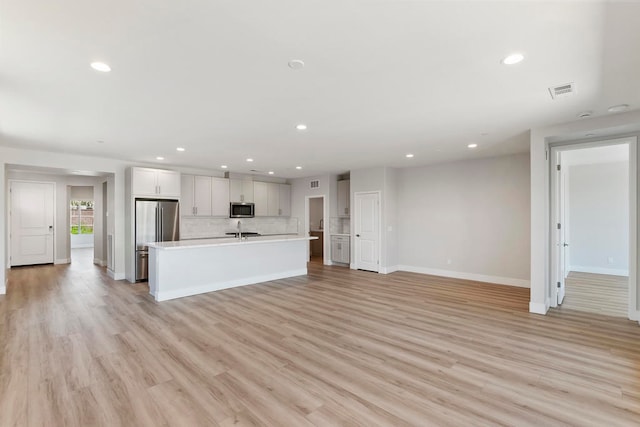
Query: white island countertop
pixel 191 267
pixel 227 241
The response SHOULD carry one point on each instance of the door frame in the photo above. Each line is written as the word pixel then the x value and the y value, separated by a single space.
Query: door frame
pixel 10 216
pixel 632 142
pixel 356 245
pixel 326 256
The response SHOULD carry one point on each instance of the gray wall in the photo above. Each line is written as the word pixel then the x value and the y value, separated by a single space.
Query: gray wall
pixel 470 217
pixel 599 218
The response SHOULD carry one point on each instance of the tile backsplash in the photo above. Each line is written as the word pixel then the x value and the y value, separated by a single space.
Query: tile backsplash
pixel 339 225
pixel 195 227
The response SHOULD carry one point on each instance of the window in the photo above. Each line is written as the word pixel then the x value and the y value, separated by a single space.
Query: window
pixel 81 217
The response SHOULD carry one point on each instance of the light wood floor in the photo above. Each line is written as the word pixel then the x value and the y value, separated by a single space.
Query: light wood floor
pixel 597 293
pixel 338 347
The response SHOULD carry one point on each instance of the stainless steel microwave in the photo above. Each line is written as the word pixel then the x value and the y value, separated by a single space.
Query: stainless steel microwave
pixel 241 210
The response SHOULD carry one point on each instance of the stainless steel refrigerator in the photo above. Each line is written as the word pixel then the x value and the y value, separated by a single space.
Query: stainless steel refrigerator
pixel 156 221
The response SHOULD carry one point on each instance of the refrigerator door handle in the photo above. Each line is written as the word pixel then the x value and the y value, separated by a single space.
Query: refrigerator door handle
pixel 161 224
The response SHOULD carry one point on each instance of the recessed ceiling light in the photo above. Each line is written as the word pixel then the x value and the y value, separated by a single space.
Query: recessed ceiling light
pixel 618 108
pixel 181 149
pixel 223 166
pixel 249 160
pixel 271 172
pixel 100 141
pixel 590 134
pixel 100 66
pixel 159 158
pixel 301 126
pixel 585 114
pixel 296 64
pixel 298 167
pixel 512 59
pixel 472 145
pixel 408 156
pixel 75 172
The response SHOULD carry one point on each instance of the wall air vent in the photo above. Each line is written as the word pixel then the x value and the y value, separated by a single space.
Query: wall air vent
pixel 562 90
pixel 315 184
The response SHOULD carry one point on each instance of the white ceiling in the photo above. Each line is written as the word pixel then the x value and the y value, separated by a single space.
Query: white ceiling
pixel 382 78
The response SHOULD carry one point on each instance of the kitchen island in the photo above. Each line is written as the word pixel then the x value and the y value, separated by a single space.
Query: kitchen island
pixel 190 267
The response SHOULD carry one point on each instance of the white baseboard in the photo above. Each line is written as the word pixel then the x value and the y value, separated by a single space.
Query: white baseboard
pixel 115 276
pixel 634 315
pixel 99 262
pixel 599 270
pixel 62 261
pixel 388 270
pixel 521 283
pixel 3 290
pixel 538 308
pixel 210 287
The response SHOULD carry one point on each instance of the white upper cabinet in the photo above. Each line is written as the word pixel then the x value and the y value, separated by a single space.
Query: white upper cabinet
pixel 220 197
pixel 344 198
pixel 241 190
pixel 285 200
pixel 272 199
pixel 196 195
pixel 155 182
pixel 204 196
pixel 260 198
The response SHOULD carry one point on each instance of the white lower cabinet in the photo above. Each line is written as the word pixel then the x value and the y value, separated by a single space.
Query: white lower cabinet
pixel 340 250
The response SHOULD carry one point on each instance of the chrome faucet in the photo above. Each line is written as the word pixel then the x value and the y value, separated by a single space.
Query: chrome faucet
pixel 239 230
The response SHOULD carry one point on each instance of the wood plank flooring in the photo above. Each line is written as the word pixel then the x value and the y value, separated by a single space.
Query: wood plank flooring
pixel 335 348
pixel 597 293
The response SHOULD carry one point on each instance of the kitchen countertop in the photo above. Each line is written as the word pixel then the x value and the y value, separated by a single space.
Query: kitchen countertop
pixel 227 241
pixel 227 237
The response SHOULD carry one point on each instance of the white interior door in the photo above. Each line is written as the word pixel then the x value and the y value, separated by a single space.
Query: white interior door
pixel 32 219
pixel 367 231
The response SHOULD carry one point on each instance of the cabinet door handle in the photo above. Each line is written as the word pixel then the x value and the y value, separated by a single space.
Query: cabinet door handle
pixel 279 211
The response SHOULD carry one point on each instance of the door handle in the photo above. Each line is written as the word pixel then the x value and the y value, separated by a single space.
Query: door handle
pixel 357 235
pixel 565 244
pixel 51 227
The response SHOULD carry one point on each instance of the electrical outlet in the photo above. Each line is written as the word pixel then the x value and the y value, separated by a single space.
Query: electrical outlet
pixel 610 260
pixel 449 261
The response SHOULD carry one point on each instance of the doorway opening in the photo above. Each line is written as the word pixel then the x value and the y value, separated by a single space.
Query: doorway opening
pixel 593 214
pixel 81 224
pixel 315 221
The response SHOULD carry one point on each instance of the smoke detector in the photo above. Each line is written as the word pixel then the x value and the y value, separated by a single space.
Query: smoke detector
pixel 562 91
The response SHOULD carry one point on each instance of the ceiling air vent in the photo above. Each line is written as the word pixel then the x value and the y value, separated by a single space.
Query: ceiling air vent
pixel 315 184
pixel 562 90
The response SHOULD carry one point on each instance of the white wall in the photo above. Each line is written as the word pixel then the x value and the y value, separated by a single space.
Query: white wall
pixel 4 226
pixel 599 218
pixel 615 125
pixel 380 179
pixel 82 192
pixel 10 157
pixel 466 219
pixel 301 189
pixel 63 185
